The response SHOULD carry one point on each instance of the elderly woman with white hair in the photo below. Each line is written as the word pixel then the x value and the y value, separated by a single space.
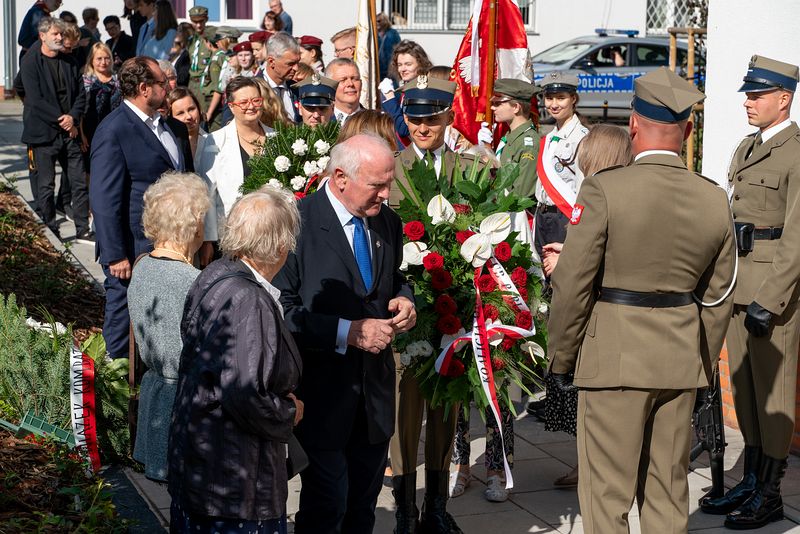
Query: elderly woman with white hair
pixel 235 409
pixel 174 209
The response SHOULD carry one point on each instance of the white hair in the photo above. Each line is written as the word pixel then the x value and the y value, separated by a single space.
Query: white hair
pixel 349 155
pixel 338 62
pixel 174 207
pixel 166 67
pixel 280 43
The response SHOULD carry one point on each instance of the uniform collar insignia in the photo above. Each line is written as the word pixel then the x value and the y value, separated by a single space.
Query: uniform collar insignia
pixel 315 79
pixel 422 81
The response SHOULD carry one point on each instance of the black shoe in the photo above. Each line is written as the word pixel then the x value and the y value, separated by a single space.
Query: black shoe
pixel 736 496
pixel 87 238
pixel 435 519
pixel 404 489
pixel 55 231
pixel 765 504
pixel 536 408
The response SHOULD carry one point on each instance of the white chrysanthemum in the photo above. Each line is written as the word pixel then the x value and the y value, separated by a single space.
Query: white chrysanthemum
pixel 322 162
pixel 298 182
pixel 310 168
pixel 424 348
pixel 274 183
pixel 282 164
pixel 322 147
pixel 405 359
pixel 300 147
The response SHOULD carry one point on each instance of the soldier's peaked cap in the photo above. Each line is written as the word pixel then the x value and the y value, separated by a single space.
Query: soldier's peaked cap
pixel 559 82
pixel 663 96
pixel 764 74
pixel 317 90
pixel 425 97
pixel 516 89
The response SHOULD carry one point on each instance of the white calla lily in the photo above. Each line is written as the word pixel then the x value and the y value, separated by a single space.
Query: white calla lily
pixel 414 252
pixel 440 210
pixel 447 339
pixel 533 348
pixel 477 249
pixel 497 226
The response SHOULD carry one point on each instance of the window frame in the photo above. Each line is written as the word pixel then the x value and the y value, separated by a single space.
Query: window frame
pixel 443 21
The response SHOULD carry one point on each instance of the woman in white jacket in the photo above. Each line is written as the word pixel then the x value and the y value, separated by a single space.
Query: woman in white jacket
pixel 222 156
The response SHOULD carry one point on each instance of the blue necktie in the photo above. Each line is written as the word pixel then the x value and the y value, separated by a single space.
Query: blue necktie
pixel 361 251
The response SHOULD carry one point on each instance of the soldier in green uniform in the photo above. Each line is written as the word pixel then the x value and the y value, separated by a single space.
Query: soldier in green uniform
pixel 219 43
pixel 624 318
pixel 511 104
pixel 199 53
pixel 764 334
pixel 427 110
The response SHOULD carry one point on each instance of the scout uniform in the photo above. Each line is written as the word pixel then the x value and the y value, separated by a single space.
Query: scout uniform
pixel 423 97
pixel 520 145
pixel 211 81
pixel 624 320
pixel 199 54
pixel 764 178
pixel 560 149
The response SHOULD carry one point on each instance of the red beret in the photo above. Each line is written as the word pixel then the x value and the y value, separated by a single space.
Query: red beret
pixel 309 40
pixel 261 36
pixel 242 47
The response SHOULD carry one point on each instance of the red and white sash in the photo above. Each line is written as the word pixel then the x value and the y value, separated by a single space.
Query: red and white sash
pixel 562 195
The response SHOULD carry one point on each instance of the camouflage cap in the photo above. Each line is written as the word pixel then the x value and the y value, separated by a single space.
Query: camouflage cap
pixel 764 74
pixel 663 96
pixel 198 11
pixel 517 89
pixel 229 31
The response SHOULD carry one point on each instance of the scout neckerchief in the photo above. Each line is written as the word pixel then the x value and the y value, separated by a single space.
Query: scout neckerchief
pixel 208 66
pixel 502 144
pixel 562 195
pixel 196 53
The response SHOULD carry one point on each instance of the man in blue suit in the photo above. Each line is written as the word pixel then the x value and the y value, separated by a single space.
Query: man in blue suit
pixel 131 149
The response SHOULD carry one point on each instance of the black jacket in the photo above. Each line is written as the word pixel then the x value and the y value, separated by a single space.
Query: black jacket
pixel 182 68
pixel 123 50
pixel 321 283
pixel 232 417
pixel 41 110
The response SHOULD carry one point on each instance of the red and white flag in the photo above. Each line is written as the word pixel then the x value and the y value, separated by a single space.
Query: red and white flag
pixel 470 70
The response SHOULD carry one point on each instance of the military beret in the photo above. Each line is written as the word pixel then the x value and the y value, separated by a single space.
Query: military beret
pixel 316 90
pixel 516 89
pixel 764 74
pixel 210 32
pixel 198 11
pixel 559 82
pixel 425 97
pixel 261 36
pixel 309 40
pixel 244 46
pixel 229 31
pixel 663 96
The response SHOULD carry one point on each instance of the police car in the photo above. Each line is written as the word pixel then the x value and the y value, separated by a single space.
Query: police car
pixel 606 65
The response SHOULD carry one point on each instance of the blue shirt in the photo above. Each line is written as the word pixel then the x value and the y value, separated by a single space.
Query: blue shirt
pixel 287 22
pixel 159 48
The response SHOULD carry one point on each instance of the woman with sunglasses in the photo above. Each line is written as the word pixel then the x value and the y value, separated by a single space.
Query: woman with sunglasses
pixel 222 156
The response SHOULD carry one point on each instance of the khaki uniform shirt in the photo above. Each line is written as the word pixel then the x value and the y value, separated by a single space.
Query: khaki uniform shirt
pixel 199 55
pixel 651 227
pixel 522 147
pixel 405 160
pixel 766 192
pixel 210 79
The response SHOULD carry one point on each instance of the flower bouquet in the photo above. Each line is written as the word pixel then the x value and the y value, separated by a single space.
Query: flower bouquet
pixel 293 157
pixel 480 313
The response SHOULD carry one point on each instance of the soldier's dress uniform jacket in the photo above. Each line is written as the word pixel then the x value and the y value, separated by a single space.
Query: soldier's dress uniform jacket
pixel 522 147
pixel 765 182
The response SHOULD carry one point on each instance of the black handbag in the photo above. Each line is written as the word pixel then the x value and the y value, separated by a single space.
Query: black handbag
pixel 296 458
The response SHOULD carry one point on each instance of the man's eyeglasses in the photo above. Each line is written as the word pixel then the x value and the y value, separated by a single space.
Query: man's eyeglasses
pixel 243 104
pixel 163 83
pixel 338 51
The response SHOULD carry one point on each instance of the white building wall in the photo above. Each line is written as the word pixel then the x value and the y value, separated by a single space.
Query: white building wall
pixel 736 31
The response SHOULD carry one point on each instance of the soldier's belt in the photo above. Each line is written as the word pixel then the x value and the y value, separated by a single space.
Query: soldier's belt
pixel 746 233
pixel 644 300
pixel 543 208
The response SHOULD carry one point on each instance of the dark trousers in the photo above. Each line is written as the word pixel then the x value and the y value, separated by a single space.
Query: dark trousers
pixel 116 325
pixel 33 180
pixel 551 227
pixel 45 158
pixel 341 486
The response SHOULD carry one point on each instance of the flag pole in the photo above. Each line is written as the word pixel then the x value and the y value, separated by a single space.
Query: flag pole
pixel 373 22
pixel 490 59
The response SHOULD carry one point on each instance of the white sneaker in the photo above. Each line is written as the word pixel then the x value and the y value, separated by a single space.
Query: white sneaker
pixel 495 489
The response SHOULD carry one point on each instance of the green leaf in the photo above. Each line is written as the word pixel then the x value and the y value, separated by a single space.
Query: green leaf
pixel 469 189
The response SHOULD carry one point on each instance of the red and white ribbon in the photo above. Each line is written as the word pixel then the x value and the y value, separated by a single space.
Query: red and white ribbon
pixel 83 407
pixel 557 189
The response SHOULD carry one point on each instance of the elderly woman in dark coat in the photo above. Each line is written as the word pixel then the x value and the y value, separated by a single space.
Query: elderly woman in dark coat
pixel 235 407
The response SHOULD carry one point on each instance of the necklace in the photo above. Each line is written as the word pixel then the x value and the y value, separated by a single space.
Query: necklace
pixel 253 142
pixel 182 257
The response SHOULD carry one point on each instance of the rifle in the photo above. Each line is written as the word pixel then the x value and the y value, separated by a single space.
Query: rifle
pixel 710 430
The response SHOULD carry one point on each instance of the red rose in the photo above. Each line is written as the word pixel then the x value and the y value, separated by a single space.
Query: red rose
pixel 441 280
pixel 497 363
pixel 433 261
pixel 524 320
pixel 461 208
pixel 448 324
pixel 490 312
pixel 454 369
pixel 519 276
pixel 299 195
pixel 486 283
pixel 463 236
pixel 502 251
pixel 506 345
pixel 523 292
pixel 414 230
pixel 445 305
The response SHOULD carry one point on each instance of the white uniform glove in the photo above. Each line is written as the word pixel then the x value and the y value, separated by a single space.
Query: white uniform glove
pixel 386 86
pixel 485 134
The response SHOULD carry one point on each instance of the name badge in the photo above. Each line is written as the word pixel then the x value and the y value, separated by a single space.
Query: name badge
pixel 528 141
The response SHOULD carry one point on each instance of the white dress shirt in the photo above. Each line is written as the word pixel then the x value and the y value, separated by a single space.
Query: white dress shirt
pixel 346 220
pixel 163 135
pixel 437 157
pixel 342 116
pixel 273 291
pixel 772 131
pixel 284 94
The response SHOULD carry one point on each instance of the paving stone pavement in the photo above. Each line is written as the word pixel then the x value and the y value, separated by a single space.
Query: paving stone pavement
pixel 540 456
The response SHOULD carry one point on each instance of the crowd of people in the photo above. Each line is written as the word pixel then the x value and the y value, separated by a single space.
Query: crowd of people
pixel 266 324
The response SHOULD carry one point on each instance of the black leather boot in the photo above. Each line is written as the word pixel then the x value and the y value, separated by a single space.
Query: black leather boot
pixel 765 504
pixel 435 519
pixel 404 489
pixel 741 491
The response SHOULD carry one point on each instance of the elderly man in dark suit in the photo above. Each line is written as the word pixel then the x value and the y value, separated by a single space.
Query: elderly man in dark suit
pixel 131 149
pixel 345 299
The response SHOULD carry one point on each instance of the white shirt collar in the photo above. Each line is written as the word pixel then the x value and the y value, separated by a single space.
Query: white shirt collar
pixel 141 114
pixel 437 154
pixel 640 155
pixel 342 115
pixel 273 291
pixel 271 82
pixel 772 131
pixel 342 213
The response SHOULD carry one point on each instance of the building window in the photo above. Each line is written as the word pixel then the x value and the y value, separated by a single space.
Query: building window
pixel 443 14
pixel 220 11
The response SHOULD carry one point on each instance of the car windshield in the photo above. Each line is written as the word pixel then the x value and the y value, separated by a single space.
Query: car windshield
pixel 562 52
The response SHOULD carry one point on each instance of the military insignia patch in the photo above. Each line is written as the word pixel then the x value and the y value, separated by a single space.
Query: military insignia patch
pixel 558 166
pixel 528 141
pixel 577 211
pixel 315 79
pixel 422 81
